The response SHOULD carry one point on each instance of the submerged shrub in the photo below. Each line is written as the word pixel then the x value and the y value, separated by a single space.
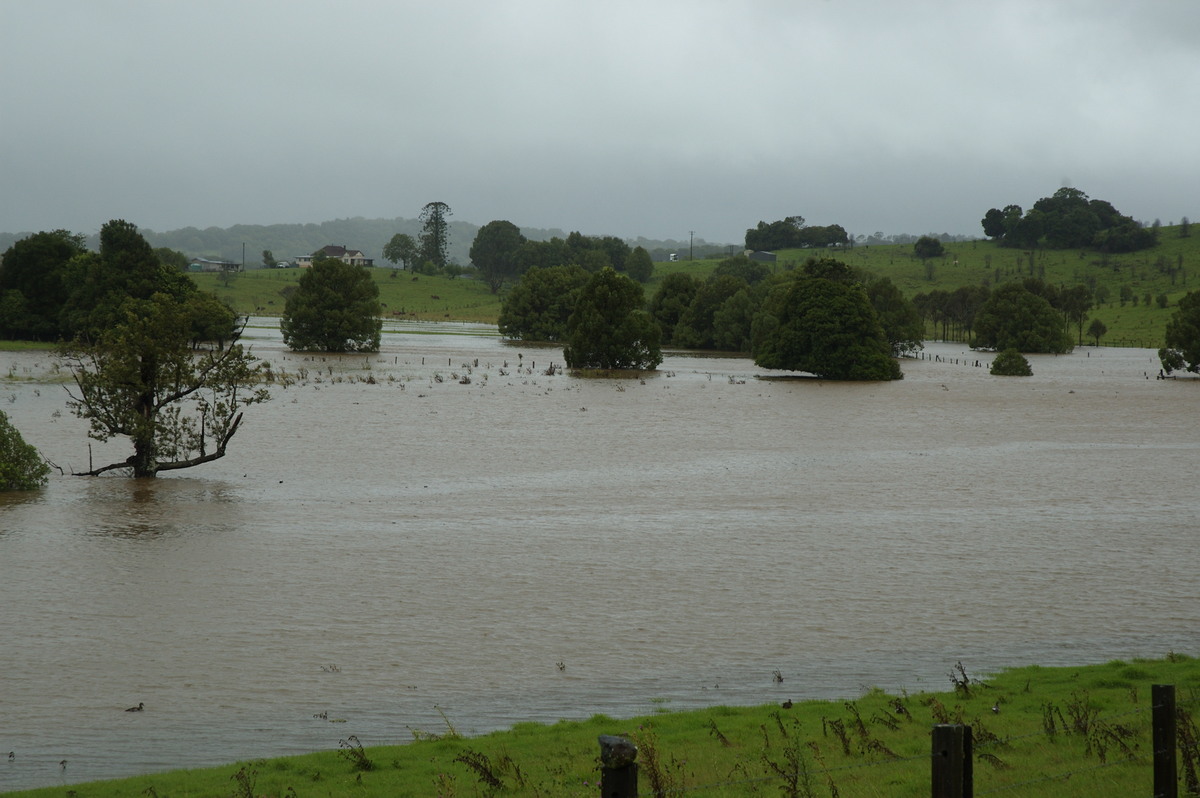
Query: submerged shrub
pixel 1011 363
pixel 21 467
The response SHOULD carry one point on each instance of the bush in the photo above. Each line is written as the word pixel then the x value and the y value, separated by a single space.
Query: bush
pixel 1011 363
pixel 21 467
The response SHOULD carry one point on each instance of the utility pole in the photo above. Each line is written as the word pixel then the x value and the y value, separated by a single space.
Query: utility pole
pixel 691 249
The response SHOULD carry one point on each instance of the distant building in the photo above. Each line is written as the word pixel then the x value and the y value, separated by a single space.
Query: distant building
pixel 206 265
pixel 764 257
pixel 351 256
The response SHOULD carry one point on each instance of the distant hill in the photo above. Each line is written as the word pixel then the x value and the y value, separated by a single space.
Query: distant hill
pixel 286 241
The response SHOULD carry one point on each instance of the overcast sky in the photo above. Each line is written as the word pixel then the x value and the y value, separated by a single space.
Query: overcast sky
pixel 634 118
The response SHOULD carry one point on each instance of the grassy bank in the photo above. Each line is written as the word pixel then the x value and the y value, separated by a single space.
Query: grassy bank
pixel 1038 732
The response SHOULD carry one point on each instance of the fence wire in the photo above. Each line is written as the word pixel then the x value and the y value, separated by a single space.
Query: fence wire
pixel 1000 743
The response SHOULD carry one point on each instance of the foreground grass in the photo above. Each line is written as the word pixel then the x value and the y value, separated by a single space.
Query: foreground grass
pixel 1054 732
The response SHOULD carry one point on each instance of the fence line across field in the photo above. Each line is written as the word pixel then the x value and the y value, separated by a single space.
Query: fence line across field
pixel 953 756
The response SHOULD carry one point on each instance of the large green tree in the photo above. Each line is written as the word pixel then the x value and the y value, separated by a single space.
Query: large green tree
pixel 21 467
pixel 135 364
pixel 825 327
pixel 1013 317
pixel 401 249
pixel 35 285
pixel 494 252
pixel 928 247
pixel 1182 350
pixel 608 328
pixel 435 233
pixel 335 308
pixel 126 267
pixel 537 308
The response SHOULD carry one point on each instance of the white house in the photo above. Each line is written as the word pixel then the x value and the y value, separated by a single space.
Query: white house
pixel 351 256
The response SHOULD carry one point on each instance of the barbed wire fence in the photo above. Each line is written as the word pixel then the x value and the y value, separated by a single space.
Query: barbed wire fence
pixel 955 752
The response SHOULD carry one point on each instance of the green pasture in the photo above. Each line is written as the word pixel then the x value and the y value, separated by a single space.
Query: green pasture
pixel 402 294
pixel 1039 732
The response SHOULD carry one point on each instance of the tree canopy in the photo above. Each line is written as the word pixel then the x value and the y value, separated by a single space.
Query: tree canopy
pixel 793 233
pixel 674 295
pixel 1067 219
pixel 21 467
pixel 34 285
pixel 824 326
pixel 494 252
pixel 928 247
pixel 538 307
pixel 1011 363
pixel 608 328
pixel 401 249
pixel 902 324
pixel 1013 317
pixel 335 308
pixel 1182 350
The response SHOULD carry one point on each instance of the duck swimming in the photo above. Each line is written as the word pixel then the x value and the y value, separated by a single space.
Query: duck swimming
pixel 138 708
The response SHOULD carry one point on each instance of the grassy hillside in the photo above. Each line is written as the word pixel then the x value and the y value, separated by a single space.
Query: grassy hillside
pixel 1171 269
pixel 402 294
pixel 1061 732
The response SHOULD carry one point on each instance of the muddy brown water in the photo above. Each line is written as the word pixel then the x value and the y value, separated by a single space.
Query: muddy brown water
pixel 410 534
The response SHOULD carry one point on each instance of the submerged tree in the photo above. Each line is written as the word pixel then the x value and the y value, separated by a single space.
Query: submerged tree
pixel 1183 336
pixel 136 366
pixel 824 326
pixel 1014 317
pixel 335 308
pixel 609 329
pixel 141 379
pixel 1011 363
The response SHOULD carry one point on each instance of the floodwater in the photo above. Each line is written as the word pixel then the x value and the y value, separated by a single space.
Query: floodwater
pixel 444 533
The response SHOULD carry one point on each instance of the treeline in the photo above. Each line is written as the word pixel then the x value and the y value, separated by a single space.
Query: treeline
pixel 730 310
pixel 1067 220
pixel 1030 316
pixel 371 236
pixel 53 288
pixel 794 233
pixel 718 313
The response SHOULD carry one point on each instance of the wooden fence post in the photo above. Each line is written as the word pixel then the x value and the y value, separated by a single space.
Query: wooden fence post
pixel 1162 699
pixel 952 761
pixel 618 767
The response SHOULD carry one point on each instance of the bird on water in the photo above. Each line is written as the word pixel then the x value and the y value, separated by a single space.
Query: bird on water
pixel 138 708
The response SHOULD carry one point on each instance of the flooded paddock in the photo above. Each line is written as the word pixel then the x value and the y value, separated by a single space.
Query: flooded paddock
pixel 442 527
